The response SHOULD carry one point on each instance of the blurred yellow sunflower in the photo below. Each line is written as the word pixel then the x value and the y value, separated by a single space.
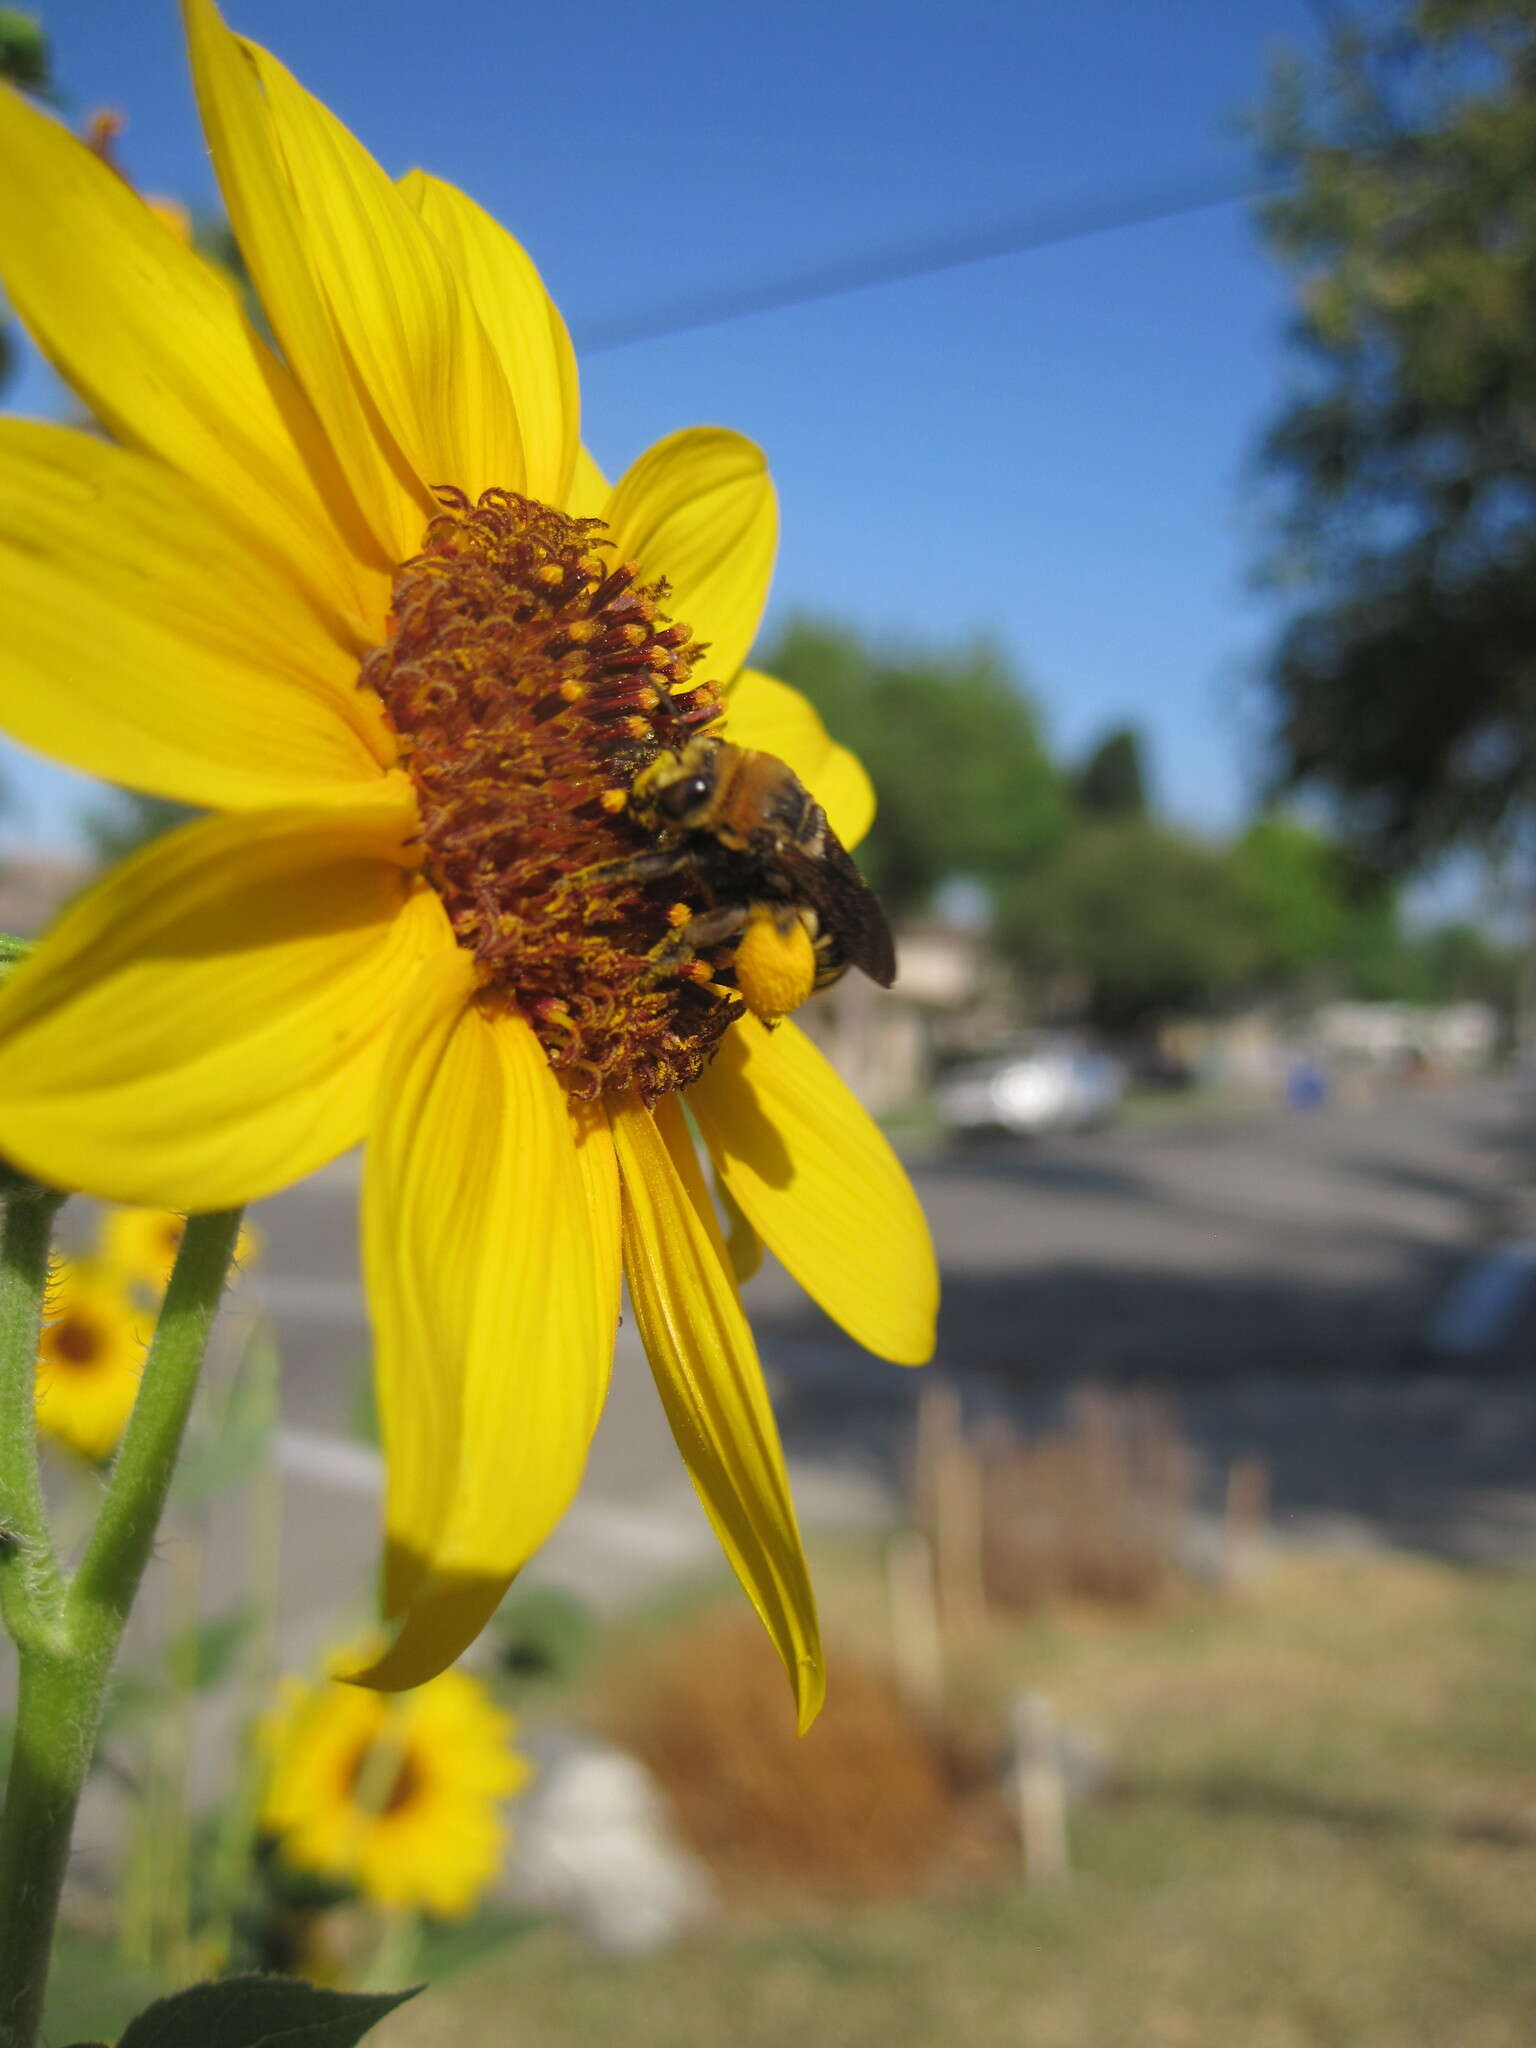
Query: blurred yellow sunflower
pixel 370 601
pixel 141 1245
pixel 89 1359
pixel 401 1798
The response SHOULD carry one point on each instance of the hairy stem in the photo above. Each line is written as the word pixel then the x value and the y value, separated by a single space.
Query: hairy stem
pixel 31 1584
pixel 65 1666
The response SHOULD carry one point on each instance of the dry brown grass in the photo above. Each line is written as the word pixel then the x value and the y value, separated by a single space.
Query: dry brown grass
pixel 1092 1511
pixel 1323 1840
pixel 875 1801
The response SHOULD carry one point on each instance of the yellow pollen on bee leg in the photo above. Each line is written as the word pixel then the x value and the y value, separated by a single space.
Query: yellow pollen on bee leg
pixel 678 915
pixel 614 800
pixel 775 965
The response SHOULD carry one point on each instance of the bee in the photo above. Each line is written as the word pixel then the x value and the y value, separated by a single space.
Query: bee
pixel 749 832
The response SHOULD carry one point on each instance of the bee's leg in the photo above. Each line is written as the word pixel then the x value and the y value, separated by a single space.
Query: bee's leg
pixel 653 866
pixel 708 928
pixel 713 927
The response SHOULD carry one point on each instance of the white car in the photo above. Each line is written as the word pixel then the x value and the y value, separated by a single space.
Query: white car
pixel 1046 1088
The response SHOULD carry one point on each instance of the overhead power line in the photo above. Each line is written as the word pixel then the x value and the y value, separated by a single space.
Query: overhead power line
pixel 1042 228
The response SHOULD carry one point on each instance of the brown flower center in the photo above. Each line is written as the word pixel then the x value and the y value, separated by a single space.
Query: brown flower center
pixel 529 680
pixel 364 1780
pixel 75 1340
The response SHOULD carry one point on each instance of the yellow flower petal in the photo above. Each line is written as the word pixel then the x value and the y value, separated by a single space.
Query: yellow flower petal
pixel 146 642
pixel 401 1797
pixel 523 325
pixel 490 1233
pixel 385 344
pixel 590 490
pixel 89 1358
pixel 699 508
pixel 741 1240
pixel 762 712
pixel 711 1384
pixel 400 313
pixel 159 348
pixel 816 1179
pixel 207 1024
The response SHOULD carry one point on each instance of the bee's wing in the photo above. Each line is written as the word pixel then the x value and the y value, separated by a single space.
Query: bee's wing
pixel 848 908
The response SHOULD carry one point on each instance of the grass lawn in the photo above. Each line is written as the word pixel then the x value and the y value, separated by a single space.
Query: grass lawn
pixel 1324 1836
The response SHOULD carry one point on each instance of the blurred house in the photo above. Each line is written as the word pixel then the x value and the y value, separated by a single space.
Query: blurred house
pixel 1461 1035
pixel 35 886
pixel 1254 1050
pixel 950 996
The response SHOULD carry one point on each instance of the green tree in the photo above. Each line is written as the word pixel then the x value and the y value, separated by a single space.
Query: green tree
pixel 1299 890
pixel 1449 963
pixel 1154 921
pixel 128 820
pixel 1112 782
pixel 1462 964
pixel 24 62
pixel 1406 677
pixel 965 785
pixel 24 57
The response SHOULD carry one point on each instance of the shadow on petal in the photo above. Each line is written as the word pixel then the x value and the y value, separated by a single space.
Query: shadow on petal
pixel 749 1133
pixel 446 1613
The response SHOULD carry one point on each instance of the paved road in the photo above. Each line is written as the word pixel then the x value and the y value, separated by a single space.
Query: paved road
pixel 1275 1274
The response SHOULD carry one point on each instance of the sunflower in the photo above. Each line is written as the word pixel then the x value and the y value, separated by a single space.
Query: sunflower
pixel 89 1359
pixel 364 596
pixel 401 1798
pixel 141 1245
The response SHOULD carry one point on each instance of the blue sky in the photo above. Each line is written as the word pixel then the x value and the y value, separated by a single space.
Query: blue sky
pixel 1053 448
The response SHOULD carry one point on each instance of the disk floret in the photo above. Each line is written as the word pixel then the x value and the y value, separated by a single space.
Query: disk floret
pixel 529 678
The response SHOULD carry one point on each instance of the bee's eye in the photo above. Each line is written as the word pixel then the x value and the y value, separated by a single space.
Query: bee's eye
pixel 680 797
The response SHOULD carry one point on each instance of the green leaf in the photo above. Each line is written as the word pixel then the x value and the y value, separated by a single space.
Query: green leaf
pixel 261 2012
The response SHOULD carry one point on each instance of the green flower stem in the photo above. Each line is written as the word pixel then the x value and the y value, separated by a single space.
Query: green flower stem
pixel 31 1584
pixel 67 1645
pixel 394 1958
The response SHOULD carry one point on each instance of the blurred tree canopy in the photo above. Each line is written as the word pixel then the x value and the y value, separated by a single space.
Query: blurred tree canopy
pixel 1153 919
pixel 1406 678
pixel 1300 893
pixel 24 62
pixel 966 787
pixel 1112 782
pixel 24 57
pixel 1091 893
pixel 129 819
